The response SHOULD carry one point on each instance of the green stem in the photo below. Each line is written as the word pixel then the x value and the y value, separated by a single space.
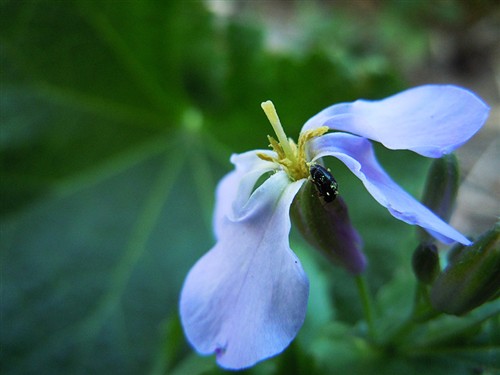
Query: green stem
pixel 367 303
pixel 422 309
pixel 409 324
pixel 421 312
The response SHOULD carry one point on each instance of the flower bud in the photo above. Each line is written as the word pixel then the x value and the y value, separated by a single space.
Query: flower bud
pixel 472 278
pixel 454 253
pixel 326 226
pixel 441 189
pixel 425 262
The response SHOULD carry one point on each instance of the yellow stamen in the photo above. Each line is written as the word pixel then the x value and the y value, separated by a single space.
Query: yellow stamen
pixel 276 147
pixel 265 157
pixel 308 135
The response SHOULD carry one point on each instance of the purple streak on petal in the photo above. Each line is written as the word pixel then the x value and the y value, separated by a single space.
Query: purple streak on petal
pixel 431 120
pixel 246 299
pixel 235 188
pixel 357 154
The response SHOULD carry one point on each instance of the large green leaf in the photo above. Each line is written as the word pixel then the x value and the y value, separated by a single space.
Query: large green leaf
pixel 101 221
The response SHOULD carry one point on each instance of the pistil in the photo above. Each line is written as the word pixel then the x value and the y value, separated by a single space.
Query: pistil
pixel 273 118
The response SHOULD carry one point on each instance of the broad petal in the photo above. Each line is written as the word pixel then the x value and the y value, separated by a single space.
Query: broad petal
pixel 357 154
pixel 431 120
pixel 235 188
pixel 246 299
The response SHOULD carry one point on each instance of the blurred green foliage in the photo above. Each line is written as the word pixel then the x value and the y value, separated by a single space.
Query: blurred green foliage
pixel 118 119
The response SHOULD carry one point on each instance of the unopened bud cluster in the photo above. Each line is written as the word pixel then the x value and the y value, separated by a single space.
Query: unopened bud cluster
pixel 472 276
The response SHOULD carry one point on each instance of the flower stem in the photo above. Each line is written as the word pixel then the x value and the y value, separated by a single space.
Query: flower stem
pixel 421 312
pixel 273 118
pixel 367 303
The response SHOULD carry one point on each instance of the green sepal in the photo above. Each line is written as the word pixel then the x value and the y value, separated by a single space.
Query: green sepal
pixel 455 252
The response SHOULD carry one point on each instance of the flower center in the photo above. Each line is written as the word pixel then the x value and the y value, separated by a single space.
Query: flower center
pixel 290 156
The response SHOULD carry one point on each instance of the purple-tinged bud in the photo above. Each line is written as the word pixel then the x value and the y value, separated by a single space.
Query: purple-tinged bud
pixel 425 263
pixel 472 278
pixel 441 189
pixel 326 226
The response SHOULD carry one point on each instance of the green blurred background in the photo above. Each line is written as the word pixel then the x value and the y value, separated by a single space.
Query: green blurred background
pixel 117 120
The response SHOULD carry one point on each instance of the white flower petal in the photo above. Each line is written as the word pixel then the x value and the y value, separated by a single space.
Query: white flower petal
pixel 235 188
pixel 246 299
pixel 431 120
pixel 357 154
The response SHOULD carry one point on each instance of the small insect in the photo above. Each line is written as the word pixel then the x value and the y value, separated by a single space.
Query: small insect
pixel 325 183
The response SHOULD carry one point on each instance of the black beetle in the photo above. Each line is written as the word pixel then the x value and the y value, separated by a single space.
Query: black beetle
pixel 325 183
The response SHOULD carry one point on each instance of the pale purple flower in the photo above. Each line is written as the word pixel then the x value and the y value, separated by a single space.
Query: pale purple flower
pixel 246 299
